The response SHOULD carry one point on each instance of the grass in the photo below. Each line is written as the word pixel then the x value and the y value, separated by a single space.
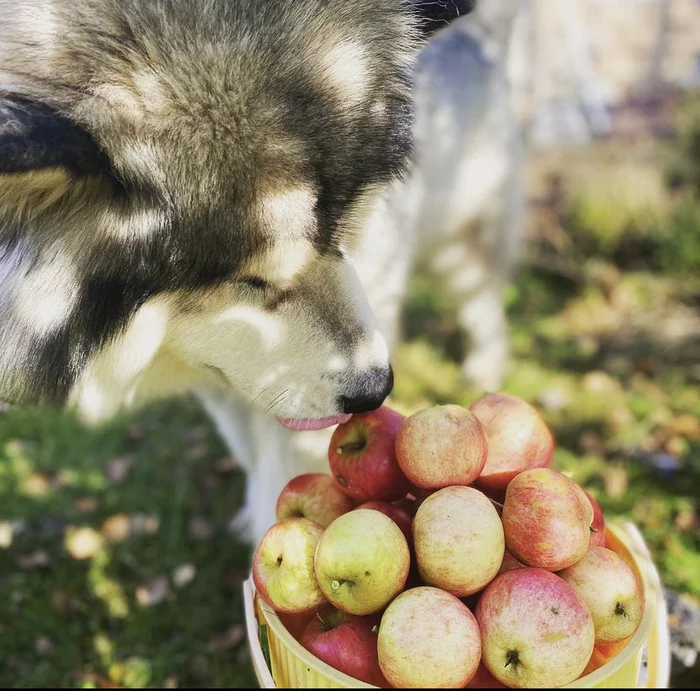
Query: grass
pixel 116 565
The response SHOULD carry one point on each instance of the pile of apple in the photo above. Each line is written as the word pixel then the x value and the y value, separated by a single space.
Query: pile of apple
pixel 442 552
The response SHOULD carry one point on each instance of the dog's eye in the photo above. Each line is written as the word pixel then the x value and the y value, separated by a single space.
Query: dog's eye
pixel 254 282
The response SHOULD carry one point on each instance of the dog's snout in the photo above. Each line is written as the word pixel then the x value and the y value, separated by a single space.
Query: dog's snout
pixel 374 387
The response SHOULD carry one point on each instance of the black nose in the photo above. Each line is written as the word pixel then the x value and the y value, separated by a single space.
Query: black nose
pixel 374 387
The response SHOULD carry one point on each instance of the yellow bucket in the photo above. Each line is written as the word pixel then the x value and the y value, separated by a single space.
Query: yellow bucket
pixel 294 667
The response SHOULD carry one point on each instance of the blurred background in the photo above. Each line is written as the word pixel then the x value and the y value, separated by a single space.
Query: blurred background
pixel 116 565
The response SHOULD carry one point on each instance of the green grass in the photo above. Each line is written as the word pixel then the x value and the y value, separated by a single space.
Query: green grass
pixel 67 621
pixel 608 353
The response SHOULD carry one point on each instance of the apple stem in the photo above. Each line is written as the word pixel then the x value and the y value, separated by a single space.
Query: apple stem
pixel 512 657
pixel 351 447
pixel 620 610
pixel 499 506
pixel 335 585
pixel 594 530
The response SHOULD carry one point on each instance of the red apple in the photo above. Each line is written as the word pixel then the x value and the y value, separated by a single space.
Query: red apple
pixel 535 631
pixel 283 566
pixel 610 589
pixel 428 639
pixel 296 623
pixel 602 654
pixel 509 563
pixel 597 538
pixel 518 439
pixel 547 519
pixel 441 446
pixel 397 514
pixel 315 496
pixel 362 457
pixel 347 643
pixel 483 679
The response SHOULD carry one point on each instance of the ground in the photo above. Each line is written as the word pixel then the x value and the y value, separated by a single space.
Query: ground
pixel 116 566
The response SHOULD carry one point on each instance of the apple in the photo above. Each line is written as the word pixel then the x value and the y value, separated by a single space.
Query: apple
pixel 283 566
pixel 610 589
pixel 597 537
pixel 401 517
pixel 483 679
pixel 345 642
pixel 509 563
pixel 441 446
pixel 547 519
pixel 428 639
pixel 518 439
pixel 602 654
pixel 362 562
pixel 535 630
pixel 362 457
pixel 458 540
pixel 315 496
pixel 296 623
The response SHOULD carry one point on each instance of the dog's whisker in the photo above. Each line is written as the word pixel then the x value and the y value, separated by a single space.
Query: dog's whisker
pixel 277 400
pixel 255 398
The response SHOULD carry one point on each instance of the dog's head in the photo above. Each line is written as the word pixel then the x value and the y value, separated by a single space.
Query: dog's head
pixel 181 188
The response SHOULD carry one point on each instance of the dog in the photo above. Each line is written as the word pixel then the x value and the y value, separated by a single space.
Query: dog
pixel 211 197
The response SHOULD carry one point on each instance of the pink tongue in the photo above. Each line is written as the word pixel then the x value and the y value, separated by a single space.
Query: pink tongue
pixel 307 424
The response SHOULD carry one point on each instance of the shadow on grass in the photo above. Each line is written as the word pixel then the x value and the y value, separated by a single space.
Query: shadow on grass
pixel 158 600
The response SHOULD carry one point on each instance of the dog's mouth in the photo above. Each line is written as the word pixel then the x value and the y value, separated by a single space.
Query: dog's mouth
pixel 305 424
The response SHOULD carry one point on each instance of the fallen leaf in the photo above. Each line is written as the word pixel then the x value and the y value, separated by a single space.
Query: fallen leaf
pixel 117 528
pixel 143 524
pixel 199 528
pixel 228 640
pixel 184 575
pixel 37 485
pixel 83 543
pixel 227 464
pixel 35 560
pixel 85 504
pixel 197 451
pixel 5 534
pixel 117 469
pixel 152 593
pixel 43 645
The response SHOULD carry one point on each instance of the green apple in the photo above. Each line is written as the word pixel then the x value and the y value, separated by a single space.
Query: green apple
pixel 283 566
pixel 362 562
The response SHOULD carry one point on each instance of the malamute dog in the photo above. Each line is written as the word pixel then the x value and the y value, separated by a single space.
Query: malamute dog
pixel 201 196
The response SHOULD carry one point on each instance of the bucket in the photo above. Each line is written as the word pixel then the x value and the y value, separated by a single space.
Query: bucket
pixel 644 662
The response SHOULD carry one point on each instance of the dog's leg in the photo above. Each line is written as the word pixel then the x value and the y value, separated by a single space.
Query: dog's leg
pixel 483 319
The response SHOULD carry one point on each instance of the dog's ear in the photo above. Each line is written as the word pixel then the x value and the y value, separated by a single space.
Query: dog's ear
pixel 437 14
pixel 51 170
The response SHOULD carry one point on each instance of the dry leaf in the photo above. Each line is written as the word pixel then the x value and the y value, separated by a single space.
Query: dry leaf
pixel 36 560
pixel 85 504
pixel 199 528
pixel 117 528
pixel 184 575
pixel 227 464
pixel 152 593
pixel 83 543
pixel 43 645
pixel 229 639
pixel 5 534
pixel 118 468
pixel 143 524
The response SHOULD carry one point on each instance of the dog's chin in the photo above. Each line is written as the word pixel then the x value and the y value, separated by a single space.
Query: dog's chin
pixel 306 424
